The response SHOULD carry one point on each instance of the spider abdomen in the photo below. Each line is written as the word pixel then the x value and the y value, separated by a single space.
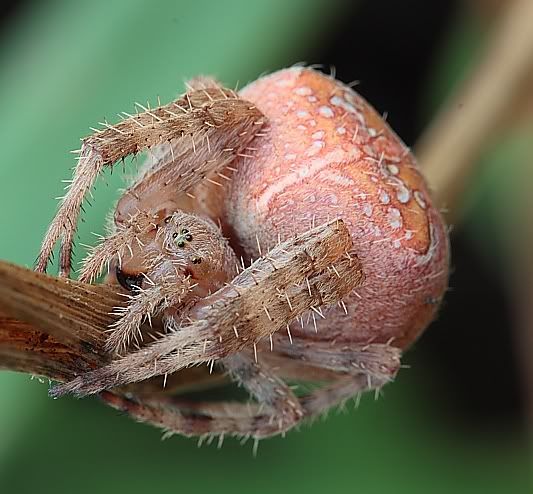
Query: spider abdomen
pixel 325 154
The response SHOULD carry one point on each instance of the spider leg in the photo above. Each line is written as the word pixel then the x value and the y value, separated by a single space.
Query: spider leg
pixel 264 298
pixel 284 409
pixel 338 392
pixel 145 304
pixel 276 411
pixel 179 416
pixel 119 244
pixel 375 359
pixel 176 149
pixel 365 367
pixel 214 114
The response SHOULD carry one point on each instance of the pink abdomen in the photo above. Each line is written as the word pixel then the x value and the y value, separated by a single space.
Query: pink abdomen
pixel 328 154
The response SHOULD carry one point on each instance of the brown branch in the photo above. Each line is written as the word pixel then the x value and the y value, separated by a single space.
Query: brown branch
pixel 72 311
pixel 26 349
pixel 452 145
pixel 52 326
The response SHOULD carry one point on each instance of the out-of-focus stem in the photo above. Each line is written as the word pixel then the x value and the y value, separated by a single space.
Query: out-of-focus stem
pixel 451 147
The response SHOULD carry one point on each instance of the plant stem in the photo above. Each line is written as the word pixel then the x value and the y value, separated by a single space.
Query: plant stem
pixel 450 148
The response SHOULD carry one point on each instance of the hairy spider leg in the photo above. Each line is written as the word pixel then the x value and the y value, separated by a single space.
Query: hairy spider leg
pixel 292 278
pixel 209 419
pixel 213 114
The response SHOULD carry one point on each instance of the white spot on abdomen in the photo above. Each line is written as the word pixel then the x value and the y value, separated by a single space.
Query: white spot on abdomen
pixel 303 91
pixel 342 103
pixel 367 209
pixel 384 197
pixel 326 111
pixel 395 218
pixel 315 148
pixel 403 194
pixel 393 169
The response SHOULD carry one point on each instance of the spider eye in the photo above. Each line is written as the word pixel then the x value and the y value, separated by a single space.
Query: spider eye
pixel 130 282
pixel 182 237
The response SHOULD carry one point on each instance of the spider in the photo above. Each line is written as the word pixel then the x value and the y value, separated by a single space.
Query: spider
pixel 283 233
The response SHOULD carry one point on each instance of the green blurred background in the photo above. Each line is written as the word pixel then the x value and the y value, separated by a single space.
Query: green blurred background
pixel 455 421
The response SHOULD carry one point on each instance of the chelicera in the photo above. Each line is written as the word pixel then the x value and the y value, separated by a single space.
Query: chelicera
pixel 280 234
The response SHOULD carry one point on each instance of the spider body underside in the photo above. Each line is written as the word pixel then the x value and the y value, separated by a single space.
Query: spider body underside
pixel 282 233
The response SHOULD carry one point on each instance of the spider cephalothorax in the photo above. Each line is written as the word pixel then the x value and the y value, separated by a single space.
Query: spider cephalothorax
pixel 298 172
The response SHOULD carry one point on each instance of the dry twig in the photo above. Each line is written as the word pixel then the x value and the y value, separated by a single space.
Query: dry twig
pixel 451 147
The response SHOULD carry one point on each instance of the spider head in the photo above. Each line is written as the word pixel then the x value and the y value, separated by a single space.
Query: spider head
pixel 181 246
